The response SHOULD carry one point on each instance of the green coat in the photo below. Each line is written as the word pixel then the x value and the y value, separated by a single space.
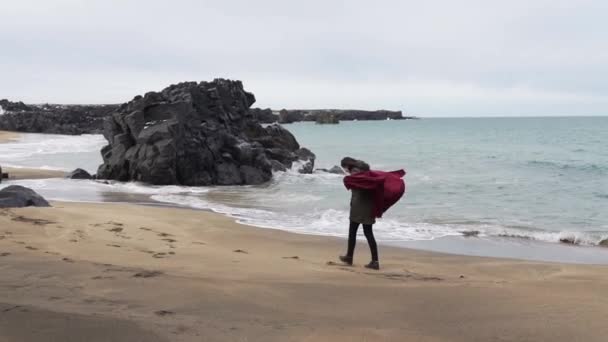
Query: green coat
pixel 362 207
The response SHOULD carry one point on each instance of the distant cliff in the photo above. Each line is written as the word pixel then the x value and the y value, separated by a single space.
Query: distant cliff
pixel 316 115
pixel 52 118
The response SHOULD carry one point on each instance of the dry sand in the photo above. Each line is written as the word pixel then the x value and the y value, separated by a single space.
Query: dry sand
pixel 109 272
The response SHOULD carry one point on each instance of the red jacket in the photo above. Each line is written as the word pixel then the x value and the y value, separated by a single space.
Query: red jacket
pixel 388 187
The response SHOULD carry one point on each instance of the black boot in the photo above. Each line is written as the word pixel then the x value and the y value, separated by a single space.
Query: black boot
pixel 374 265
pixel 346 259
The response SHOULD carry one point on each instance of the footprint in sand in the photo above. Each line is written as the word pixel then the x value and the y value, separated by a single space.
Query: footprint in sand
pixel 101 277
pixel 295 257
pixel 3 254
pixel 67 260
pixel 163 313
pixel 240 251
pixel 333 263
pixel 147 274
pixel 111 245
pixel 116 230
pixel 34 221
pixel 31 248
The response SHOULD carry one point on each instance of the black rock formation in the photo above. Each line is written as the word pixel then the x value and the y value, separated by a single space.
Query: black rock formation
pixel 16 196
pixel 56 119
pixel 263 115
pixel 335 170
pixel 2 175
pixel 327 118
pixel 79 174
pixel 196 134
pixel 334 115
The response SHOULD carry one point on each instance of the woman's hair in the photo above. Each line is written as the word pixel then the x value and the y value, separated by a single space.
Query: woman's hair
pixel 351 163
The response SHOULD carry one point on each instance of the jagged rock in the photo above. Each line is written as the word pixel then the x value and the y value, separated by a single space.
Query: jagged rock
pixel 57 119
pixel 308 159
pixel 16 196
pixel 195 134
pixel 277 166
pixel 79 174
pixel 604 243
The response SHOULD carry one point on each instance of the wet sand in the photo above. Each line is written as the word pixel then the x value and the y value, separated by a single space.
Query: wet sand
pixel 8 136
pixel 25 173
pixel 124 272
pixel 16 173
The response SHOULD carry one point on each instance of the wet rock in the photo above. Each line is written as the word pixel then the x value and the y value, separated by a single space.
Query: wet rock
pixel 17 196
pixel 195 134
pixel 52 118
pixel 79 174
pixel 327 118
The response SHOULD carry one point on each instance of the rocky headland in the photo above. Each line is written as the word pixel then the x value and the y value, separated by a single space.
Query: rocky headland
pixel 196 134
pixel 53 118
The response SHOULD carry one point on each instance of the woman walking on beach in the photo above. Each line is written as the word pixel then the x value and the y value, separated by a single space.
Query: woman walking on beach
pixel 372 193
pixel 361 212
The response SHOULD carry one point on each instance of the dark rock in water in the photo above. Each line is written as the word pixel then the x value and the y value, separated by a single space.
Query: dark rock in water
pixel 16 196
pixel 335 170
pixel 289 116
pixel 308 158
pixel 570 240
pixel 327 118
pixel 56 119
pixel 336 115
pixel 1 174
pixel 604 243
pixel 277 166
pixel 195 134
pixel 79 174
pixel 470 233
pixel 263 115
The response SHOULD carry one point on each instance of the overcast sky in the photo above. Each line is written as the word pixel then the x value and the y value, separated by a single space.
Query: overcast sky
pixel 427 58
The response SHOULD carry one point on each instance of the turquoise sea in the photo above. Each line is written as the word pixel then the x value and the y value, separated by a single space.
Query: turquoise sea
pixel 514 179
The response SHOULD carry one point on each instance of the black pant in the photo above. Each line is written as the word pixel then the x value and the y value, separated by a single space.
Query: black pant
pixel 369 235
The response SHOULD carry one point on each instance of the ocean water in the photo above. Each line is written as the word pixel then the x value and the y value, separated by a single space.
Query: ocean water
pixel 533 179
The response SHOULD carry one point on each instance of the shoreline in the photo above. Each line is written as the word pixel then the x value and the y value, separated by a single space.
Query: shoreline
pixel 515 249
pixel 173 274
pixel 6 136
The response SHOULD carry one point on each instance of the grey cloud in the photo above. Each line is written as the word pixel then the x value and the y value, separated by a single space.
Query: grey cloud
pixel 427 58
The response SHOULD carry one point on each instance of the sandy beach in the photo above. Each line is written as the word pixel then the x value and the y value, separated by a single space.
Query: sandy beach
pixel 15 173
pixel 8 136
pixel 119 272
pixel 126 272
